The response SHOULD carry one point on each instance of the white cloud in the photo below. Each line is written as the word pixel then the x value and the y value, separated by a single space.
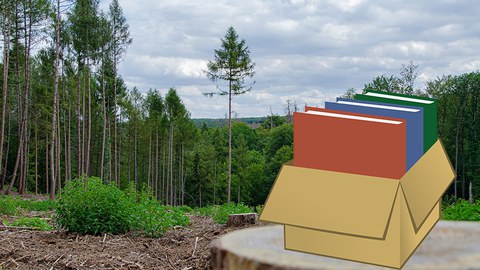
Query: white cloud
pixel 306 51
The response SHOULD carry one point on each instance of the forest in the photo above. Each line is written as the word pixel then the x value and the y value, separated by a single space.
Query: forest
pixel 67 113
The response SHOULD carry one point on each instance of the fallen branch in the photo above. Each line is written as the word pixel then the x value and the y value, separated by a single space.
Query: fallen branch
pixel 195 248
pixel 19 228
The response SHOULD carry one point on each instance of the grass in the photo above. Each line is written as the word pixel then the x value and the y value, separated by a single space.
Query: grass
pixel 220 213
pixel 31 222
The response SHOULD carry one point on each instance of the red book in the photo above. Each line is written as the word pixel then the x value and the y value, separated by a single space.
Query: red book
pixel 349 142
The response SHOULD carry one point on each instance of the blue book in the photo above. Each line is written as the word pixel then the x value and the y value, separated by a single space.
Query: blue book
pixel 412 115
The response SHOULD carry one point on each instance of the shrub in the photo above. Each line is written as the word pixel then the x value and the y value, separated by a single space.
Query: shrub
pixel 87 206
pixel 8 206
pixel 220 213
pixel 151 217
pixel 462 210
pixel 32 222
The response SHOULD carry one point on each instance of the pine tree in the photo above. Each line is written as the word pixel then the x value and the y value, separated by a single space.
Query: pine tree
pixel 232 64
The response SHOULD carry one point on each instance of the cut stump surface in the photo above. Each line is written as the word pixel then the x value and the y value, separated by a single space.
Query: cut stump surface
pixel 450 246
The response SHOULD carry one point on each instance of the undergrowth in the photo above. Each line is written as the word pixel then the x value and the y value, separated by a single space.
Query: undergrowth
pixel 31 222
pixel 88 206
pixel 220 213
pixel 461 210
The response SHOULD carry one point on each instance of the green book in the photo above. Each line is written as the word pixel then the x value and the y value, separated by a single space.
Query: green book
pixel 430 131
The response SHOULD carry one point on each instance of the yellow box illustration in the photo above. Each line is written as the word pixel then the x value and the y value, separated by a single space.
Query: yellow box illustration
pixel 368 219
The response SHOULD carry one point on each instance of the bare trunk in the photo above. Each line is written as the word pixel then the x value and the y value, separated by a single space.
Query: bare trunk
pixel 102 159
pixel 83 122
pixel 149 170
pixel 171 164
pixel 215 183
pixel 79 131
pixel 470 192
pixel 89 123
pixel 229 140
pixel 47 179
pixel 36 161
pixel 156 169
pixel 135 165
pixel 6 56
pixel 164 186
pixel 6 153
pixel 55 105
pixel 456 157
pixel 115 165
pixel 24 121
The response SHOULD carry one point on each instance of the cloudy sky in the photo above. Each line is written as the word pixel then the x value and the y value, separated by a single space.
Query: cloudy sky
pixel 305 51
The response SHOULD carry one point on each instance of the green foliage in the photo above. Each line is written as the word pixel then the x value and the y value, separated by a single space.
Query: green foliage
pixel 8 205
pixel 87 206
pixel 35 205
pixel 220 213
pixel 31 222
pixel 462 210
pixel 153 219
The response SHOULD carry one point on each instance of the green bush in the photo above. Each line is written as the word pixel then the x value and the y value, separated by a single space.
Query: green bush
pixel 152 218
pixel 220 213
pixel 8 206
pixel 32 222
pixel 88 206
pixel 462 210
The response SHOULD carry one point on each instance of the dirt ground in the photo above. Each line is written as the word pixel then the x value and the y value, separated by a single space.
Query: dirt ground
pixel 181 248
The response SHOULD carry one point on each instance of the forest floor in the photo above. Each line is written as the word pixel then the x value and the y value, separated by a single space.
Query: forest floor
pixel 180 248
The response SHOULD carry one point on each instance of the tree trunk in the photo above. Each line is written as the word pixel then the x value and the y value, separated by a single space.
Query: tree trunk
pixel 164 185
pixel 55 105
pixel 149 173
pixel 36 161
pixel 229 140
pixel 83 121
pixel 89 123
pixel 79 131
pixel 102 159
pixel 135 168
pixel 6 57
pixel 6 153
pixel 156 169
pixel 115 165
pixel 215 183
pixel 171 164
pixel 24 119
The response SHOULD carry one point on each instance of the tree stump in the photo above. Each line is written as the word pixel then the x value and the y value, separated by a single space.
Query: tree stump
pixel 450 246
pixel 237 220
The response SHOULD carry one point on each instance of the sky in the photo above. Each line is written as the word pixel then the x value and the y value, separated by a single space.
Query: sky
pixel 305 51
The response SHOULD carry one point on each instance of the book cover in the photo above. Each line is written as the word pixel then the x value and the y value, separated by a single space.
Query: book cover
pixel 430 131
pixel 349 143
pixel 412 115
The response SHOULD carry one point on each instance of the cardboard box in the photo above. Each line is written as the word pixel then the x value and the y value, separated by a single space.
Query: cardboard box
pixel 361 218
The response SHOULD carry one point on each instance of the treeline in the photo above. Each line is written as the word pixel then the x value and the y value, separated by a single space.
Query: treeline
pixel 63 103
pixel 458 120
pixel 66 113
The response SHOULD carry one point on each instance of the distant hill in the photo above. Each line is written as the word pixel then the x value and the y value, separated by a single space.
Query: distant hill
pixel 219 122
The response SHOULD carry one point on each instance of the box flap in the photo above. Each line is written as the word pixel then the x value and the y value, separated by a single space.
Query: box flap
pixel 426 181
pixel 331 201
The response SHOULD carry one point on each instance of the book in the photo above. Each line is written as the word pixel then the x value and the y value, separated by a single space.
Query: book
pixel 430 131
pixel 412 115
pixel 349 143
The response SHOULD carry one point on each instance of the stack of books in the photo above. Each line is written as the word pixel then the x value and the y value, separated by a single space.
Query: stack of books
pixel 366 180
